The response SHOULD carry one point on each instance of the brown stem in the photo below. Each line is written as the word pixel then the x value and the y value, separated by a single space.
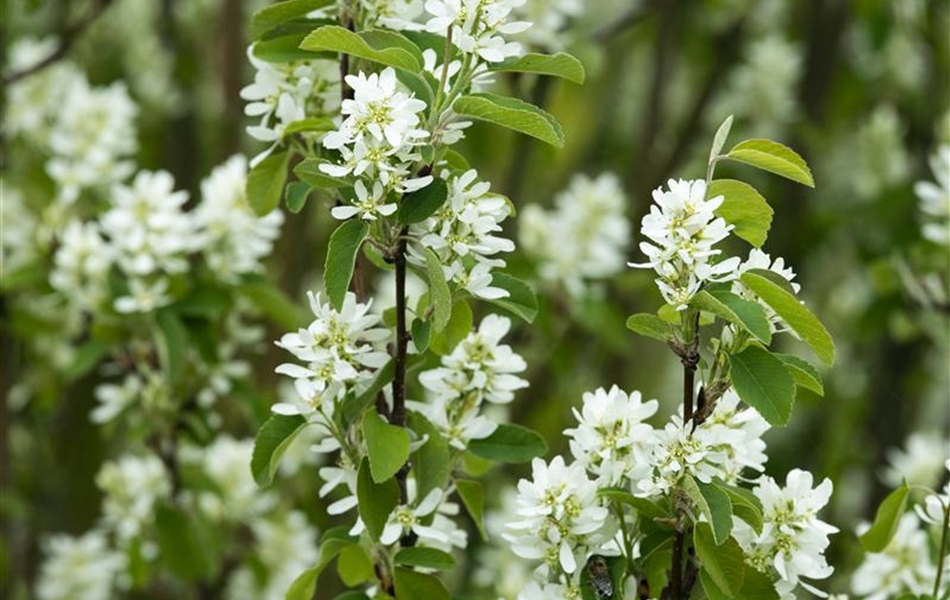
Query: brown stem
pixel 676 569
pixel 398 415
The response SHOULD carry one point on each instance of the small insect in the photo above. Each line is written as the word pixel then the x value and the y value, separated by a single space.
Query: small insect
pixel 600 580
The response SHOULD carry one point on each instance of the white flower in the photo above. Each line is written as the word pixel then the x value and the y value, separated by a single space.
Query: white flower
pixel 793 540
pixel 81 265
pixel 920 462
pixel 559 516
pixel 935 198
pixel 611 439
pixel 476 25
pixel 404 519
pixel 746 449
pixel 232 238
pixel 905 565
pixel 114 399
pixel 761 260
pixel 82 568
pixel 340 349
pixel 132 485
pixel 684 228
pixel 584 237
pixel 19 244
pixel 549 22
pixel 367 206
pixel 379 110
pixel 236 496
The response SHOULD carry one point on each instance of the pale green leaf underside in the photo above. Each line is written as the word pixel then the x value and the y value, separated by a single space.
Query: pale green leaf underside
pixel 513 114
pixel 773 157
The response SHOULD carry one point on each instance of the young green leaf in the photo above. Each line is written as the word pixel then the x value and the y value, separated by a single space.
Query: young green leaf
pixel 427 558
pixel 376 500
pixel 184 549
pixel 386 445
pixel 412 585
pixel 439 295
pixel 341 259
pixel 714 503
pixel 420 334
pixel 745 504
pixel 307 125
pixel 762 382
pixel 354 566
pixel 511 444
pixel 719 140
pixel 521 300
pixel 87 358
pixel 430 463
pixel 332 543
pixel 296 195
pixel 805 375
pixel 419 205
pixel 886 519
pixel 799 319
pixel 559 65
pixel 459 326
pixel 473 497
pixel 309 171
pixel 650 326
pixel 272 440
pixel 275 15
pixel 650 509
pixel 511 113
pixel 272 302
pixel 384 47
pixel 172 344
pixel 265 183
pixel 728 306
pixel 744 207
pixel 724 563
pixel 773 157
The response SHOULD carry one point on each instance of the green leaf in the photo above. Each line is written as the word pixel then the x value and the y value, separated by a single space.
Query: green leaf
pixel 341 259
pixel 87 358
pixel 762 382
pixel 744 207
pixel 172 344
pixel 309 124
pixel 430 462
pixel 886 520
pixel 439 295
pixel 271 17
pixel 428 558
pixel 309 172
pixel 383 47
pixel 511 444
pixel 332 543
pixel 724 563
pixel 354 406
pixel 272 440
pixel 386 445
pixel 656 569
pixel 296 195
pixel 650 326
pixel 205 300
pixel 805 375
pixel 274 303
pixel 459 326
pixel 284 48
pixel 511 113
pixel 412 585
pixel 719 140
pixel 745 504
pixel 265 183
pixel 728 306
pixel 420 334
pixel 354 566
pixel 714 503
pixel 417 206
pixel 796 316
pixel 650 509
pixel 773 157
pixel 521 300
pixel 473 497
pixel 561 65
pixel 183 547
pixel 376 500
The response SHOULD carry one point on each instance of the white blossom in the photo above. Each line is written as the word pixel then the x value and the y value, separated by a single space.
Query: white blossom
pixel 18 244
pixel 920 462
pixel 904 566
pixel 81 265
pixel 80 568
pixel 368 205
pixel 761 260
pixel 236 496
pixel 132 486
pixel 478 26
pixel 935 198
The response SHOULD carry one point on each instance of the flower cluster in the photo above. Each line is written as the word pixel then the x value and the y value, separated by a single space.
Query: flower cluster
pixel 684 228
pixel 463 234
pixel 81 568
pixel 793 539
pixel 378 140
pixel 477 27
pixel 935 198
pixel 480 369
pixel 549 22
pixel 131 486
pixel 584 237
pixel 761 260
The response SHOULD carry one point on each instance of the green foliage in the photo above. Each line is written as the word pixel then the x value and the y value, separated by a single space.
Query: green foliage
pixel 354 406
pixel 275 15
pixel 272 440
pixel 511 444
pixel 748 315
pixel 427 558
pixel 745 504
pixel 417 206
pixel 799 319
pixel 511 113
pixel 265 183
pixel 805 375
pixel 648 509
pixel 376 500
pixel 419 330
pixel 387 446
pixel 762 382
pixel 458 326
pixel 520 301
pixel 773 157
pixel 333 542
pixel 744 207
pixel 650 326
pixel 354 566
pixel 412 585
pixel 559 65
pixel 384 47
pixel 184 549
pixel 341 259
pixel 274 303
pixel 440 298
pixel 714 503
pixel 88 357
pixel 473 498
pixel 296 195
pixel 886 520
pixel 172 344
pixel 724 564
pixel 309 172
pixel 719 140
pixel 430 462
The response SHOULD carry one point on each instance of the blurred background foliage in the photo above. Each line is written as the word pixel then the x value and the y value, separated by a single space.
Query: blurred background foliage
pixel 860 88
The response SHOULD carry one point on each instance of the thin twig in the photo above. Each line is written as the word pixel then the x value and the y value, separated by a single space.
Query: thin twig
pixel 66 39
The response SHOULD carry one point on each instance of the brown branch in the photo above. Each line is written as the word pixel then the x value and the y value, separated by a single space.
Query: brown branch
pixel 67 38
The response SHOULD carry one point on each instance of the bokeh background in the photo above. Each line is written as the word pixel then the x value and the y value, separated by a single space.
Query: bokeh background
pixel 860 88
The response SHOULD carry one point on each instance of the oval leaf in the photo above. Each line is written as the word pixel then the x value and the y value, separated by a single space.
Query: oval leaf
pixel 419 205
pixel 762 382
pixel 309 171
pixel 886 519
pixel 383 47
pixel 561 64
pixel 521 300
pixel 412 585
pixel 473 497
pixel 386 445
pixel 440 298
pixel 719 140
pixel 714 504
pixel 265 183
pixel 744 207
pixel 429 558
pixel 272 440
pixel 724 563
pixel 650 326
pixel 376 500
pixel 773 157
pixel 511 444
pixel 271 17
pixel 341 259
pixel 511 113
pixel 805 375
